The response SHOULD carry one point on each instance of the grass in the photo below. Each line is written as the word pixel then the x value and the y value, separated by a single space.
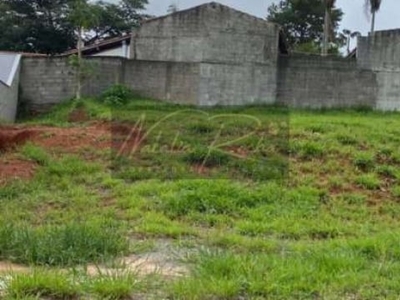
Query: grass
pixel 68 244
pixel 55 284
pixel 114 286
pixel 304 207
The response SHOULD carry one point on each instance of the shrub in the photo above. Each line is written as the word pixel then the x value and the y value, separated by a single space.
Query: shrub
pixel 117 95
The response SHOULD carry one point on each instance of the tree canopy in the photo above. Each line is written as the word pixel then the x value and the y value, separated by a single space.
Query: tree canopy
pixel 46 26
pixel 302 22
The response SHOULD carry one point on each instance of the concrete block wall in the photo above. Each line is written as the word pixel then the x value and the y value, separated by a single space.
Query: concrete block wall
pixel 48 81
pixel 298 81
pixel 9 100
pixel 104 72
pixel 380 52
pixel 234 84
pixel 317 82
pixel 45 82
pixel 210 33
pixel 174 82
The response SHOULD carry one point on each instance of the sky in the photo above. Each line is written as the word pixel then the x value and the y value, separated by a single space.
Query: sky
pixel 355 17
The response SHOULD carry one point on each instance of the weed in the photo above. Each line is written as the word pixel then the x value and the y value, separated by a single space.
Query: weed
pixel 113 286
pixel 364 161
pixel 201 128
pixel 69 244
pixel 369 181
pixel 207 157
pixel 35 153
pixel 41 283
pixel 309 150
pixel 213 197
pixel 396 191
pixel 346 139
pixel 388 171
pixel 117 95
pixel 357 199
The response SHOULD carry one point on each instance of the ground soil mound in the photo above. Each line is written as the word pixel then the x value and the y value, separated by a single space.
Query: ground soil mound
pixel 10 138
pixel 78 115
pixel 121 138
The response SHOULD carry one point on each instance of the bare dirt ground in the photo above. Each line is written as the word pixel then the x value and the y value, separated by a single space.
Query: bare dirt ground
pixel 140 264
pixel 79 139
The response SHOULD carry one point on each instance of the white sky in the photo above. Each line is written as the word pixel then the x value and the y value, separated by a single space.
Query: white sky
pixel 354 17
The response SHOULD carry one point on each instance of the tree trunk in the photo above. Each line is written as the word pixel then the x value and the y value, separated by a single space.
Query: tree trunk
pixel 79 77
pixel 326 33
pixel 373 22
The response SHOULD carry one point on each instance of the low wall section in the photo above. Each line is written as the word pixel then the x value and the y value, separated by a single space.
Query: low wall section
pixel 317 82
pixel 297 81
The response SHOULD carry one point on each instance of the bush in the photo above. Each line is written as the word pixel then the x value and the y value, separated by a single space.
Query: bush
pixel 117 95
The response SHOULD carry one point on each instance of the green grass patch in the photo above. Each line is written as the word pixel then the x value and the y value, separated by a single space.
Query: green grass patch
pixel 308 215
pixel 63 245
pixel 43 284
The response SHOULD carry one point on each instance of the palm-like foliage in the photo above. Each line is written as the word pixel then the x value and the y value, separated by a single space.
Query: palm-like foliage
pixel 373 6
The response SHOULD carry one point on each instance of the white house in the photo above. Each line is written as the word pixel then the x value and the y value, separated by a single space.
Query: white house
pixel 118 47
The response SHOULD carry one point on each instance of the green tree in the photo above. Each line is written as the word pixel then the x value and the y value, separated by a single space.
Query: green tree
pixel 373 6
pixel 45 26
pixel 82 16
pixel 35 26
pixel 118 19
pixel 302 22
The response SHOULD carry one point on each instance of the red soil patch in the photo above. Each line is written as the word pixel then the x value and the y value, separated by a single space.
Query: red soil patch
pixel 97 136
pixel 121 138
pixel 13 168
pixel 11 138
pixel 78 115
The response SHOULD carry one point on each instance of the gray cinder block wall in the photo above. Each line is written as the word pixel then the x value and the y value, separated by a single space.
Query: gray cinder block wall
pixel 380 52
pixel 48 81
pixel 215 55
pixel 237 53
pixel 324 82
